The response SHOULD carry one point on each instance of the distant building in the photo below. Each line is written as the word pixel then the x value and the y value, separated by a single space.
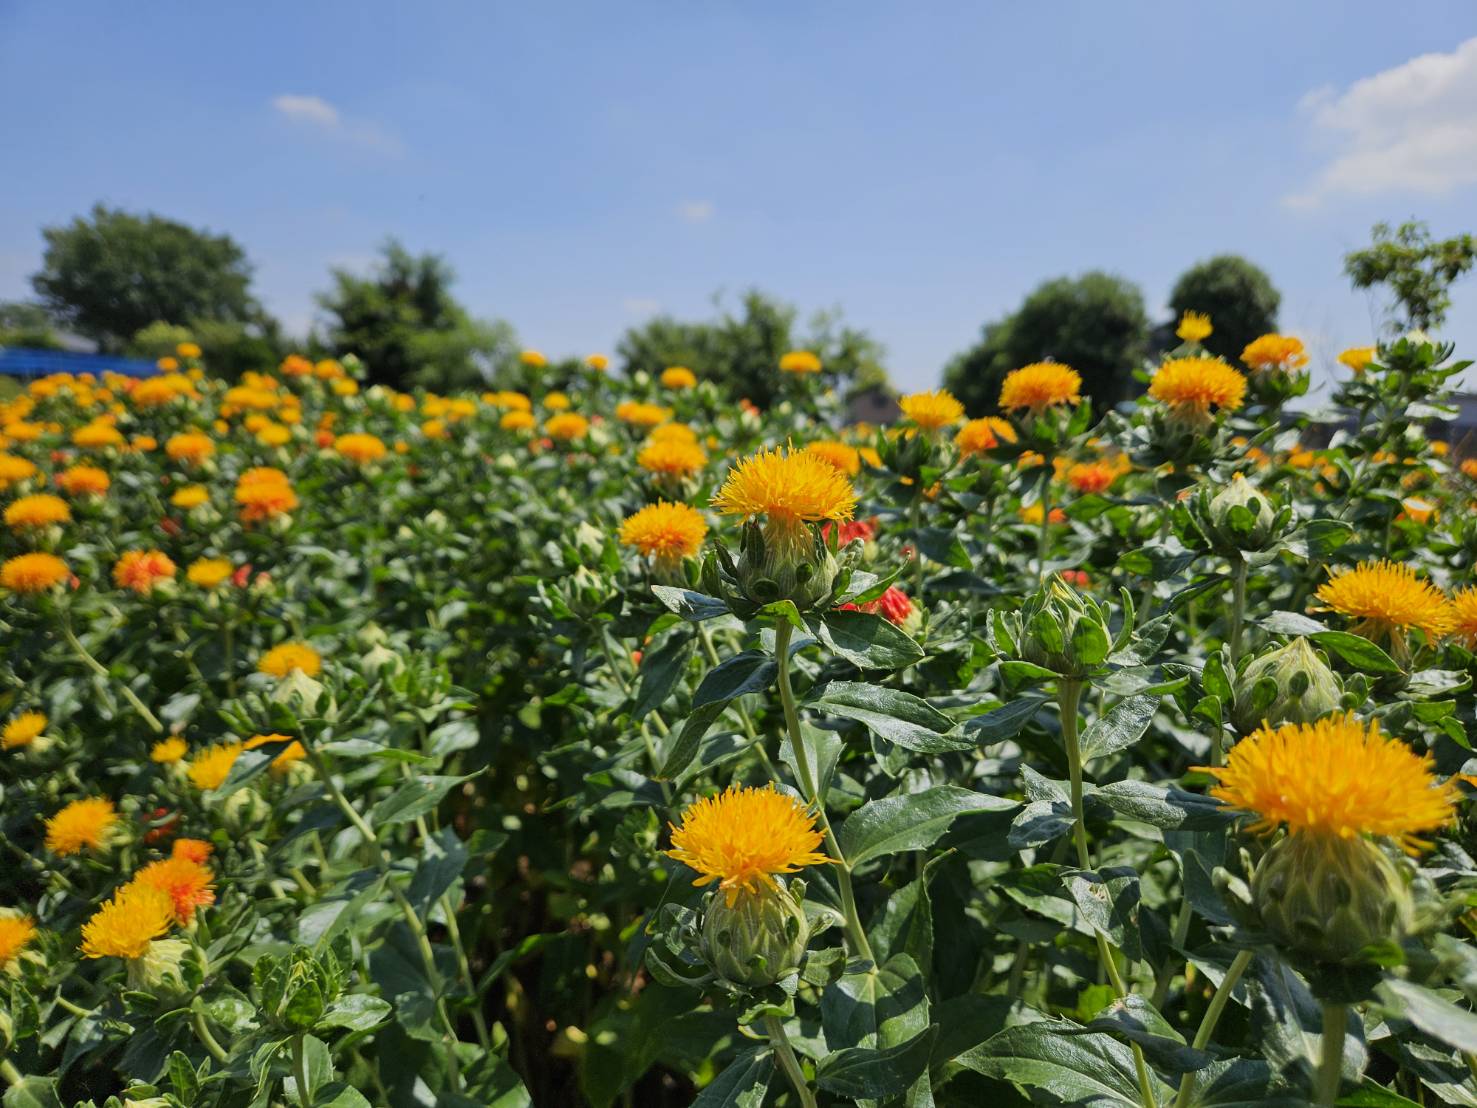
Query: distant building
pixel 875 405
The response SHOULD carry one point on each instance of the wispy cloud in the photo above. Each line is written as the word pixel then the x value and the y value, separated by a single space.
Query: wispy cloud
pixel 315 112
pixel 695 211
pixel 1412 128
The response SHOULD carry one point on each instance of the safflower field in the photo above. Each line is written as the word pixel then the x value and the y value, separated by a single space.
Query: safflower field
pixel 604 740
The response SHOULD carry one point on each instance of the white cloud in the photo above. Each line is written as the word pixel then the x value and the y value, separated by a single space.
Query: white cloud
pixel 314 111
pixel 695 211
pixel 307 109
pixel 1412 128
pixel 641 305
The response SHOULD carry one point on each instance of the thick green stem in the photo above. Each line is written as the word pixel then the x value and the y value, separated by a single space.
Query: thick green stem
pixel 300 1071
pixel 1069 695
pixel 855 934
pixel 1331 1065
pixel 785 1054
pixel 1211 1018
pixel 13 1076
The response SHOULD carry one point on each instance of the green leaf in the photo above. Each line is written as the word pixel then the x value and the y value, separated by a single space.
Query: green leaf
pixel 662 670
pixel 1004 722
pixel 910 821
pixel 945 547
pixel 1357 651
pixel 317 1066
pixel 1022 673
pixel 691 606
pixel 750 672
pixel 1431 1012
pixel 414 798
pixel 356 1012
pixel 867 640
pixel 863 1073
pixel 1090 1069
pixel 742 1084
pixel 1123 726
pixel 684 747
pixel 1170 808
pixel 1290 623
pixel 898 717
pixel 33 1092
pixel 1109 902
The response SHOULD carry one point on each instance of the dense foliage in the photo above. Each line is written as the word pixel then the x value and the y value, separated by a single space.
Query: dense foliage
pixel 579 746
pixel 1095 322
pixel 110 274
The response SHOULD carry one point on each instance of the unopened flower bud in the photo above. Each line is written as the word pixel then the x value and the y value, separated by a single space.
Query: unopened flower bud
pixel 1327 897
pixel 298 691
pixel 161 970
pixel 756 939
pixel 1291 684
pixel 1241 516
pixel 1064 631
pixel 779 564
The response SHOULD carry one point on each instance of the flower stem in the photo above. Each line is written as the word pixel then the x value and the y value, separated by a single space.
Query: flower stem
pixel 412 921
pixel 202 1032
pixel 915 523
pixel 785 1054
pixel 1211 1018
pixel 855 934
pixel 1069 695
pixel 1238 607
pixel 1331 1066
pixel 300 1070
pixel 1042 538
pixel 13 1076
pixel 98 668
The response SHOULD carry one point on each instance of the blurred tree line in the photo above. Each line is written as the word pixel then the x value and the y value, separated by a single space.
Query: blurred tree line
pixel 141 284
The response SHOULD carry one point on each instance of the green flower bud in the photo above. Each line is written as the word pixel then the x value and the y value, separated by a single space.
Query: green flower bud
pixel 1327 898
pixel 1241 516
pixel 758 938
pixel 1064 631
pixel 1291 684
pixel 802 570
pixel 162 970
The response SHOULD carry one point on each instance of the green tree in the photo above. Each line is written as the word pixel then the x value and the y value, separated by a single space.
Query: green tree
pixel 1238 296
pixel 403 322
pixel 111 274
pixel 227 349
pixel 1095 323
pixel 27 325
pixel 742 349
pixel 1417 269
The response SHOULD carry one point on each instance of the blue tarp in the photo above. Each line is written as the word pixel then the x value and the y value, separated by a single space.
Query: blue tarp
pixel 17 361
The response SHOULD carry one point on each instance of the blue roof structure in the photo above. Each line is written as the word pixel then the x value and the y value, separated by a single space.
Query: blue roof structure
pixel 16 361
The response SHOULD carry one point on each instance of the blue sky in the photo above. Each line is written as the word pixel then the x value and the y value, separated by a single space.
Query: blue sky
pixel 920 166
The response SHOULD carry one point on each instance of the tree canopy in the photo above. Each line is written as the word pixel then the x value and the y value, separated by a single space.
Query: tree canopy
pixel 1096 323
pixel 1238 296
pixel 409 330
pixel 110 274
pixel 742 349
pixel 1417 270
